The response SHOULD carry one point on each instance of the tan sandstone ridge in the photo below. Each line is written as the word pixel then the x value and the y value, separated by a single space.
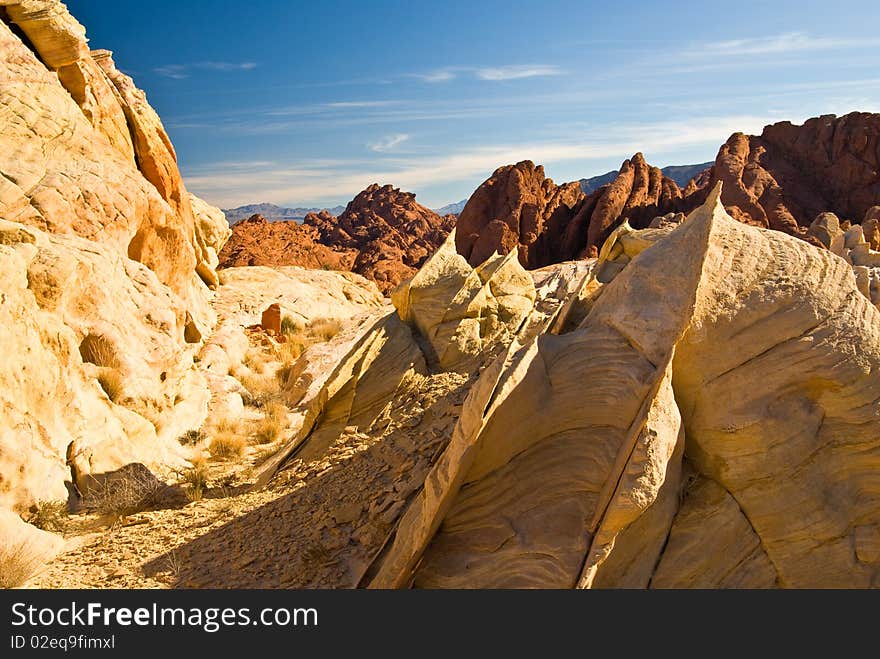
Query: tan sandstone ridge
pixel 112 310
pixel 102 263
pixel 695 408
pixel 383 234
pixel 782 179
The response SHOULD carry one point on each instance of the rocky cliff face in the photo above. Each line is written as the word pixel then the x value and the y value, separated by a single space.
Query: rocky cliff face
pixel 781 180
pixel 518 206
pixel 789 174
pixel 383 234
pixel 107 265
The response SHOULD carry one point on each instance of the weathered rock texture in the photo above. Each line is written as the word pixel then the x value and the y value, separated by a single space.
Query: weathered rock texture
pixel 781 180
pixel 83 153
pixel 697 408
pixel 519 207
pixel 383 234
pixel 107 266
pixel 257 241
pixel 516 208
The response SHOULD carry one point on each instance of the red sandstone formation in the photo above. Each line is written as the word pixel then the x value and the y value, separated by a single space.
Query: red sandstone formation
pixel 515 206
pixel 518 205
pixel 383 234
pixel 256 241
pixel 781 180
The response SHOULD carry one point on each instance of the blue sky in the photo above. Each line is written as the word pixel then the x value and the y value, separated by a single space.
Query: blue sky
pixel 305 104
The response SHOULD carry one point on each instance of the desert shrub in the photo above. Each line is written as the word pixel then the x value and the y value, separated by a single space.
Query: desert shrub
pixel 324 329
pixel 48 515
pixel 196 477
pixel 129 490
pixel 192 437
pixel 19 561
pixel 291 327
pixel 227 446
pixel 272 424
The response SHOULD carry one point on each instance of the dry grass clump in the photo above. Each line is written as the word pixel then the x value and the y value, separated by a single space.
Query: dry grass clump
pixel 225 447
pixel 324 329
pixel 227 440
pixel 298 337
pixel 196 477
pixel 131 489
pixel 19 561
pixel 255 359
pixel 258 386
pixel 48 515
pixel 290 350
pixel 98 350
pixel 291 327
pixel 272 425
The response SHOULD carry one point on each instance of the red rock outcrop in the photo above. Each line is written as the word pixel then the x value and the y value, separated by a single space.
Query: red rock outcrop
pixel 781 180
pixel 256 241
pixel 383 234
pixel 519 206
pixel 639 193
pixel 516 206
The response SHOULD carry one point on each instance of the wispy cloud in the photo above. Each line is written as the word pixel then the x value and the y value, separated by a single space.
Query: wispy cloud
pixel 492 73
pixel 389 142
pixel 360 104
pixel 314 183
pixel 517 72
pixel 176 71
pixel 182 71
pixel 441 75
pixel 779 44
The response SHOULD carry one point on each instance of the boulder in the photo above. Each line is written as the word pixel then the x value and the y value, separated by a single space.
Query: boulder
pixel 270 320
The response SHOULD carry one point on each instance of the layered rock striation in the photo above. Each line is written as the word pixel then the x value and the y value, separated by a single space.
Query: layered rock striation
pixel 686 411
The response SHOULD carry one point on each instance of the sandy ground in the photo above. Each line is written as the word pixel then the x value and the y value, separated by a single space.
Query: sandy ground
pixel 319 523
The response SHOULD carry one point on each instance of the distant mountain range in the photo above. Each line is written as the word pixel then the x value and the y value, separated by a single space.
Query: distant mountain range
pixel 681 174
pixel 451 209
pixel 274 213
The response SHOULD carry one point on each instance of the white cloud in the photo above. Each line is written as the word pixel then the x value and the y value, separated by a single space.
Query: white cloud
pixel 336 182
pixel 226 66
pixel 176 71
pixel 518 71
pixel 788 42
pixel 182 71
pixel 389 142
pixel 360 104
pixel 441 75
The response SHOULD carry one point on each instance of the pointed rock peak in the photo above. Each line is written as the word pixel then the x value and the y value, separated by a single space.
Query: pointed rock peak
pixel 606 253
